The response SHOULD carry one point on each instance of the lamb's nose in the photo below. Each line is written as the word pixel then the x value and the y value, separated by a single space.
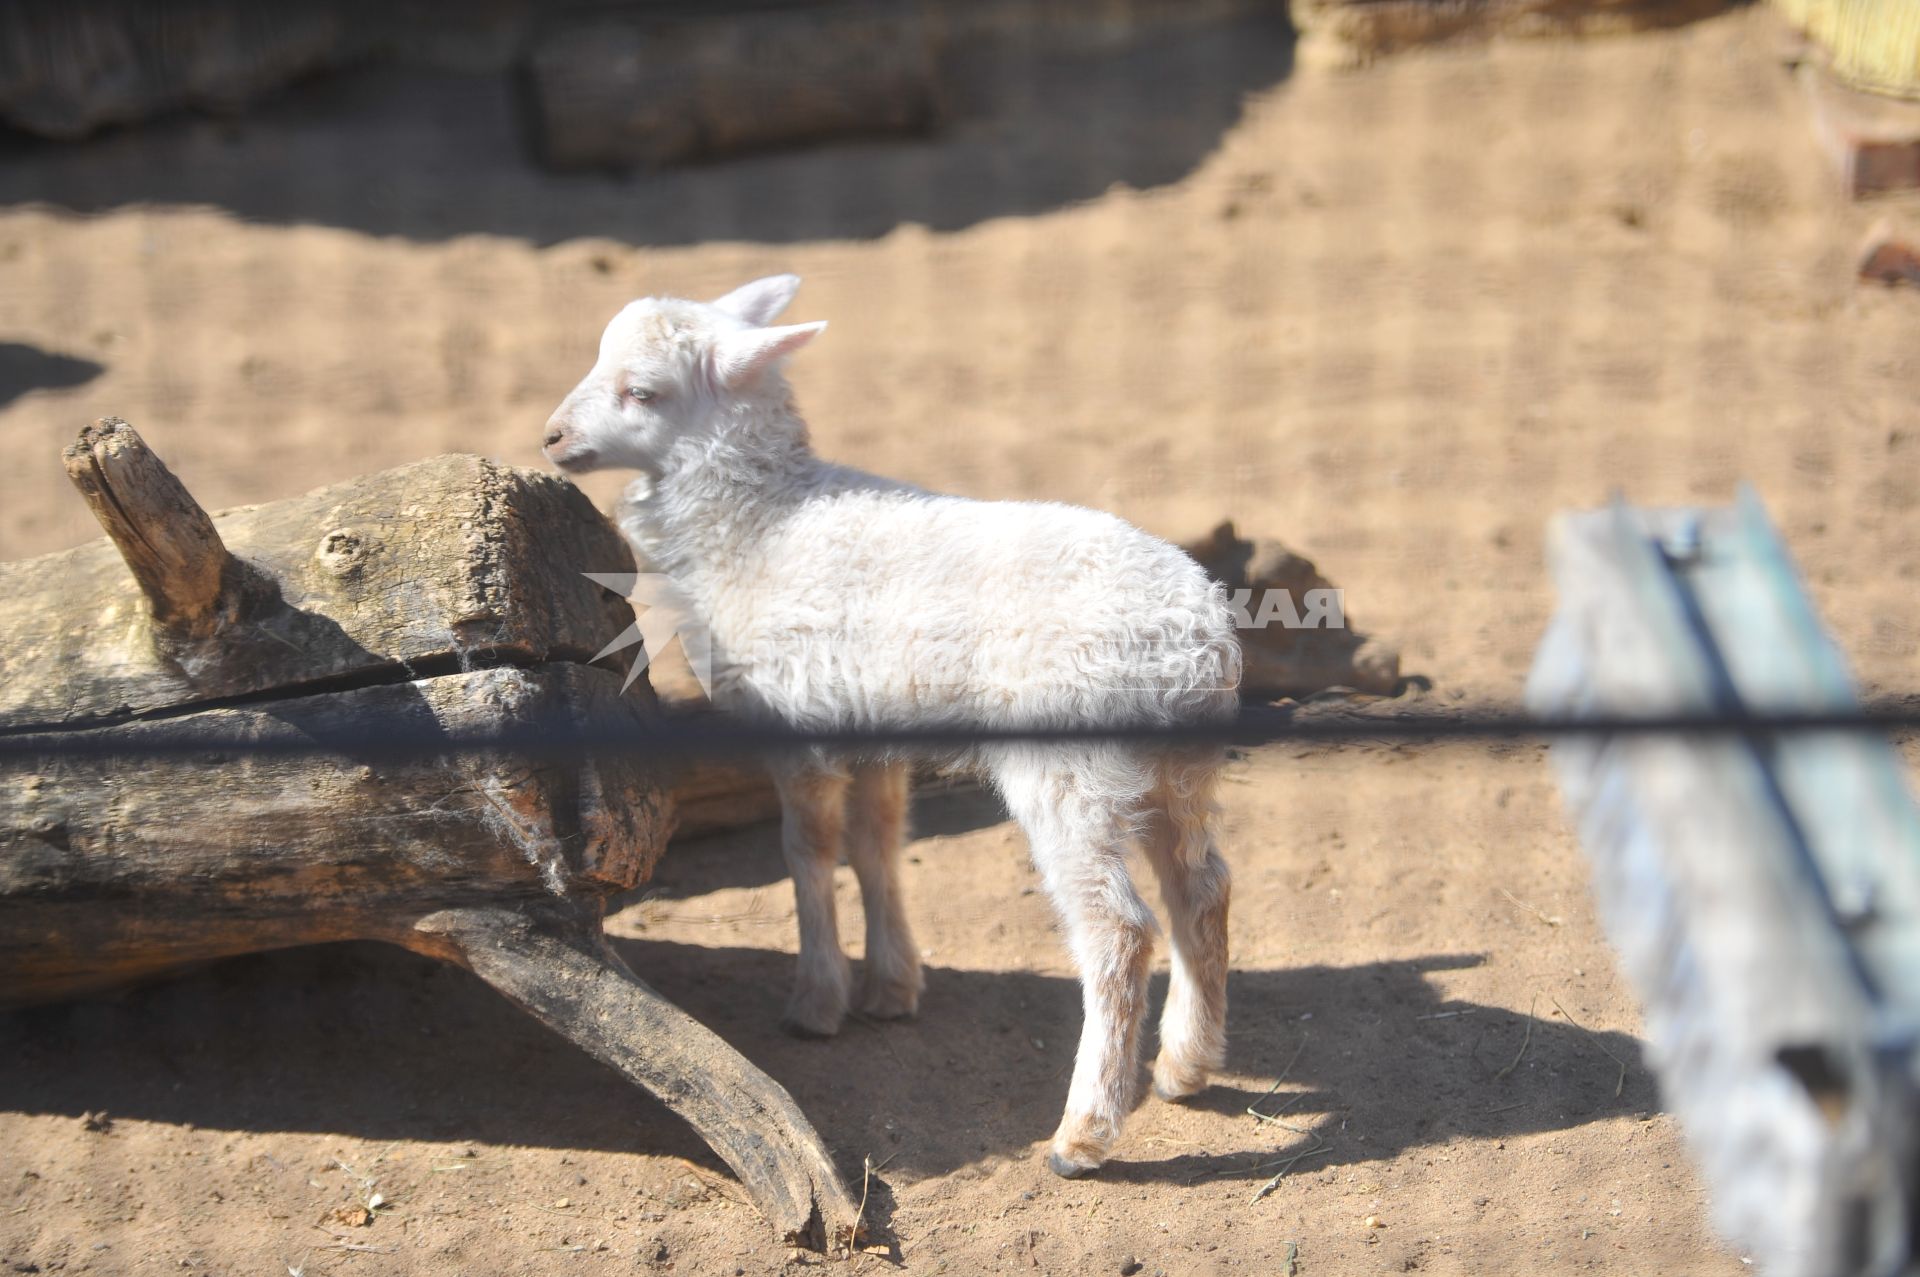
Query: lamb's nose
pixel 554 434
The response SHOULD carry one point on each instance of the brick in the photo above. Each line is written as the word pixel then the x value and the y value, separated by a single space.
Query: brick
pixel 1872 141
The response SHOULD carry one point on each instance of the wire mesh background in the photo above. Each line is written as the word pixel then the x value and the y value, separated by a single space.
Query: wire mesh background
pixel 1395 317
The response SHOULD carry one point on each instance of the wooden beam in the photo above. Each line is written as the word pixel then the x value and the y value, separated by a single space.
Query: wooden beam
pixel 1763 892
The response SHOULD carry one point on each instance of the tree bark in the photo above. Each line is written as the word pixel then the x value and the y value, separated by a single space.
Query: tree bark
pixel 112 869
pixel 433 567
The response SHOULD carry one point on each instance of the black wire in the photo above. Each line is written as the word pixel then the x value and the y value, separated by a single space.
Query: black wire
pixel 707 735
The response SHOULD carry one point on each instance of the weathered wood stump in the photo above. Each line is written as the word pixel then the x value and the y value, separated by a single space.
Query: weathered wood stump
pixel 442 597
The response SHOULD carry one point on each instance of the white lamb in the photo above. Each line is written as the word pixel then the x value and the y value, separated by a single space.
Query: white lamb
pixel 837 600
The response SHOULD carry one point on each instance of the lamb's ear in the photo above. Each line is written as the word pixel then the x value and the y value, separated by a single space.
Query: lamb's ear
pixel 760 302
pixel 740 358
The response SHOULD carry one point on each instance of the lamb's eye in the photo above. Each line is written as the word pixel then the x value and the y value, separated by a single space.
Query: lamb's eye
pixel 640 394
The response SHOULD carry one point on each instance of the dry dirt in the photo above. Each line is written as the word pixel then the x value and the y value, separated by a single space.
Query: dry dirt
pixel 1397 317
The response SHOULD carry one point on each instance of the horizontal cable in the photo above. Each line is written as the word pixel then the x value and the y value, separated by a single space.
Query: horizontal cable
pixel 712 735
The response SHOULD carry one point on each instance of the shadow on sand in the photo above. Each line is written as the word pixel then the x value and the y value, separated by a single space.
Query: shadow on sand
pixel 24 369
pixel 363 1040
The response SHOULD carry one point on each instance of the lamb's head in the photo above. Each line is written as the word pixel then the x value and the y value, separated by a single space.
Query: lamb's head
pixel 672 371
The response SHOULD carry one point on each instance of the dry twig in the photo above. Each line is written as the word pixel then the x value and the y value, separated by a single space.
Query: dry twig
pixel 1621 1083
pixel 1525 1039
pixel 1552 920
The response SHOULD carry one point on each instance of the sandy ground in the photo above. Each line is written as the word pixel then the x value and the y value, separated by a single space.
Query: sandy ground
pixel 1397 317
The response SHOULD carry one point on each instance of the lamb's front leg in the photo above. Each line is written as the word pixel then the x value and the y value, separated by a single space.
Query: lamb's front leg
pixel 891 982
pixel 813 812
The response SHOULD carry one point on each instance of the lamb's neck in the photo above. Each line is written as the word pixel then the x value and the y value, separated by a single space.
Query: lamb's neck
pixel 713 504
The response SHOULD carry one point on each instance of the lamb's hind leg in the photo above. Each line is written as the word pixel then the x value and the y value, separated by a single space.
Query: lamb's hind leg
pixel 1195 885
pixel 1079 846
pixel 813 812
pixel 890 983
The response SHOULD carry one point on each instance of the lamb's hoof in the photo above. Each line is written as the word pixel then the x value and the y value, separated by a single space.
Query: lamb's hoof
pixel 1173 1083
pixel 805 1031
pixel 814 1017
pixel 888 999
pixel 1067 1169
pixel 1078 1147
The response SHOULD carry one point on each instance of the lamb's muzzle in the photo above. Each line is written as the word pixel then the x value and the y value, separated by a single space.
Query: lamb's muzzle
pixel 836 599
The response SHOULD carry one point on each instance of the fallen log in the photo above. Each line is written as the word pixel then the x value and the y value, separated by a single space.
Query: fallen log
pixel 445 596
pixel 641 90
